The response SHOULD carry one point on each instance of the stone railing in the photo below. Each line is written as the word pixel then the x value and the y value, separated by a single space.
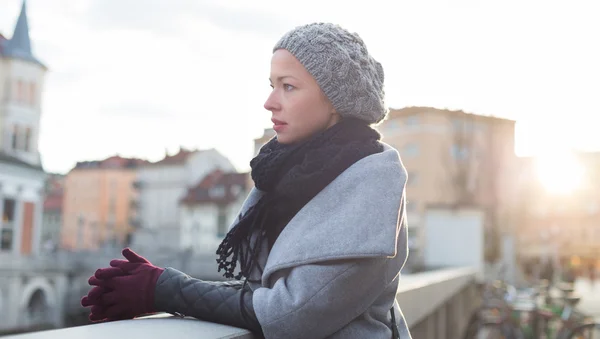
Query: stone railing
pixel 436 305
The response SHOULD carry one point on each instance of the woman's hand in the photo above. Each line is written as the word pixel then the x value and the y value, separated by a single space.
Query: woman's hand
pixel 124 290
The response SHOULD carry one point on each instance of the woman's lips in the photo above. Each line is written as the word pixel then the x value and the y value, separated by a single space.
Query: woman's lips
pixel 278 125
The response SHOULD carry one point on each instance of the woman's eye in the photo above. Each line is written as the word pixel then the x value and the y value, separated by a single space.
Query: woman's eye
pixel 288 87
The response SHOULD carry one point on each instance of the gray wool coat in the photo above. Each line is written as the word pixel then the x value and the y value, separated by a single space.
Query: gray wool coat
pixel 333 272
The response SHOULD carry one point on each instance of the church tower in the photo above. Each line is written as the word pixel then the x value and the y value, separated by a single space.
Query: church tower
pixel 21 174
pixel 21 81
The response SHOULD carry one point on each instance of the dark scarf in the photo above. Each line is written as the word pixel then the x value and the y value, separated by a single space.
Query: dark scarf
pixel 290 176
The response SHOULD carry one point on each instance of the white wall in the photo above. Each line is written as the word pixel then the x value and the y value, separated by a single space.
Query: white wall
pixel 199 228
pixel 12 112
pixel 454 238
pixel 30 182
pixel 163 186
pixel 200 225
pixel 204 162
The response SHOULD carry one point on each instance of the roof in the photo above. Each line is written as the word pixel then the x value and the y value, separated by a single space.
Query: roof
pixel 413 110
pixel 217 187
pixel 176 159
pixel 11 160
pixel 19 45
pixel 111 162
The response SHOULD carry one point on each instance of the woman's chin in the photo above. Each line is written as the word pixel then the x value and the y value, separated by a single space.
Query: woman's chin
pixel 284 138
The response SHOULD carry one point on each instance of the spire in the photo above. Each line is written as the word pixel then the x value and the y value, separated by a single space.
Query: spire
pixel 20 40
pixel 19 46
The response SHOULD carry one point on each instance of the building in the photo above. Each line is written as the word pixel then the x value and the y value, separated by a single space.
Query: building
pixel 452 158
pixel 28 283
pixel 52 217
pixel 21 174
pixel 159 188
pixel 209 208
pixel 97 203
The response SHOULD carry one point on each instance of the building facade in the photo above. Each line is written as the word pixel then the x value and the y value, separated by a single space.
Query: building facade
pixel 453 158
pixel 97 203
pixel 159 188
pixel 21 174
pixel 209 208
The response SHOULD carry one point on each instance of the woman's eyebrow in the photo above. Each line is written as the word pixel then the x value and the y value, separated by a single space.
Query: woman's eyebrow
pixel 280 78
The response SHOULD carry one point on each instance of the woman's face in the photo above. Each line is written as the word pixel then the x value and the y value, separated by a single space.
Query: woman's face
pixel 299 108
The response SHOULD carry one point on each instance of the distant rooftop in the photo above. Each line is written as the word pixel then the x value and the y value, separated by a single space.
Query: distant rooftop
pixel 204 192
pixel 111 162
pixel 413 110
pixel 175 159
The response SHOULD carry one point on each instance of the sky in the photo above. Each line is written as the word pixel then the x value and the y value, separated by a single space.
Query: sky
pixel 142 77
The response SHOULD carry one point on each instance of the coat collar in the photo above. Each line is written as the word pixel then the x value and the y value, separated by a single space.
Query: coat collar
pixel 358 215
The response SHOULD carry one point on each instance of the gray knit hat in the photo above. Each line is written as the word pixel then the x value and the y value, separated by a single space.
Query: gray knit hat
pixel 350 78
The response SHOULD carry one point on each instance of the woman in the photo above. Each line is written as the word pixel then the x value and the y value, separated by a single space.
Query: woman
pixel 320 241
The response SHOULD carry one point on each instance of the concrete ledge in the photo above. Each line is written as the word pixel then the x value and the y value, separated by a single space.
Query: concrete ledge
pixel 159 326
pixel 421 294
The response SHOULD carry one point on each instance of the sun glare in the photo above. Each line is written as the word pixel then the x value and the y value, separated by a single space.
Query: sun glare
pixel 560 173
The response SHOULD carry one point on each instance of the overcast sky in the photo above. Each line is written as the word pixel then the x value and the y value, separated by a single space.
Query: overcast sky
pixel 137 76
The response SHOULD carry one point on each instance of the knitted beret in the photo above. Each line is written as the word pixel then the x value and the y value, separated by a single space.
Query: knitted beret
pixel 345 71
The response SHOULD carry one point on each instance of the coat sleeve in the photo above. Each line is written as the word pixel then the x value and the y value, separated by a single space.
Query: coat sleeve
pixel 317 300
pixel 218 302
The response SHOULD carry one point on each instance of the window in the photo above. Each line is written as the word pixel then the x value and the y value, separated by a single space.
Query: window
pixel 459 152
pixel 221 222
pixel 390 125
pixel 410 150
pixel 27 139
pixel 217 192
pixel 7 225
pixel 20 91
pixel 8 216
pixel 15 137
pixel 411 120
pixel 32 94
pixel 458 124
pixel 468 124
pixel 6 239
pixel 80 230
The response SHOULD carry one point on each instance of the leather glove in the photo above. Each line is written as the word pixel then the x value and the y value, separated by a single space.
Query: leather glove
pixel 132 294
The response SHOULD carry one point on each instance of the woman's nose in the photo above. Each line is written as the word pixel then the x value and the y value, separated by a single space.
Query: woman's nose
pixel 272 104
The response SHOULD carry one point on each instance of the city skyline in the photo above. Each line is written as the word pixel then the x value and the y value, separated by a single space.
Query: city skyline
pixel 133 81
